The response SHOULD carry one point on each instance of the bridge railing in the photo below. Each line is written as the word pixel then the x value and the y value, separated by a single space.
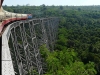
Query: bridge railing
pixel 20 45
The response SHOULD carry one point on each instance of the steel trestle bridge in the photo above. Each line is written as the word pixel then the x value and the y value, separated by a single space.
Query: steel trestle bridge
pixel 20 45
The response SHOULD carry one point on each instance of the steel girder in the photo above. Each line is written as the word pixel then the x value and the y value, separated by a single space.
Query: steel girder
pixel 24 38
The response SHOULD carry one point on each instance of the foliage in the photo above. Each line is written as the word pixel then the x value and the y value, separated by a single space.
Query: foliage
pixel 65 62
pixel 78 38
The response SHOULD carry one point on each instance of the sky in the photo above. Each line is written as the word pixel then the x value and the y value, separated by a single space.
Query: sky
pixel 51 2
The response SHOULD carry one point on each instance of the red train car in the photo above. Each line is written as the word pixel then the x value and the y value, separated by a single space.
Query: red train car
pixel 7 17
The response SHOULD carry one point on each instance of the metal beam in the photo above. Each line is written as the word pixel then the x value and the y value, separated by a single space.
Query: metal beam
pixel 20 45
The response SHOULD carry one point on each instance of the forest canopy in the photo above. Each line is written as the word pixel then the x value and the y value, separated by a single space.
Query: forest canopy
pixel 77 49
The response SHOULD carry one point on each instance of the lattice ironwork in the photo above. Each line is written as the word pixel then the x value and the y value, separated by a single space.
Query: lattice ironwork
pixel 25 37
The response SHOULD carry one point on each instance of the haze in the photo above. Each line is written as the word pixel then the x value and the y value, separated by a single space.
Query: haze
pixel 52 2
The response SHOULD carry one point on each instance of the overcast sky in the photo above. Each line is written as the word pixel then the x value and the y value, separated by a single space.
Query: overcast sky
pixel 51 2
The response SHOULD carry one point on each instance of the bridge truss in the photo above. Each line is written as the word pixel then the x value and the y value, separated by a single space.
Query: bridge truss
pixel 20 45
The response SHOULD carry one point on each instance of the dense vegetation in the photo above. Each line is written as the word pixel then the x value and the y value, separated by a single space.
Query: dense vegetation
pixel 66 62
pixel 77 50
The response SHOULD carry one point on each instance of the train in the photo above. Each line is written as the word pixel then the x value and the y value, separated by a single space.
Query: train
pixel 8 17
